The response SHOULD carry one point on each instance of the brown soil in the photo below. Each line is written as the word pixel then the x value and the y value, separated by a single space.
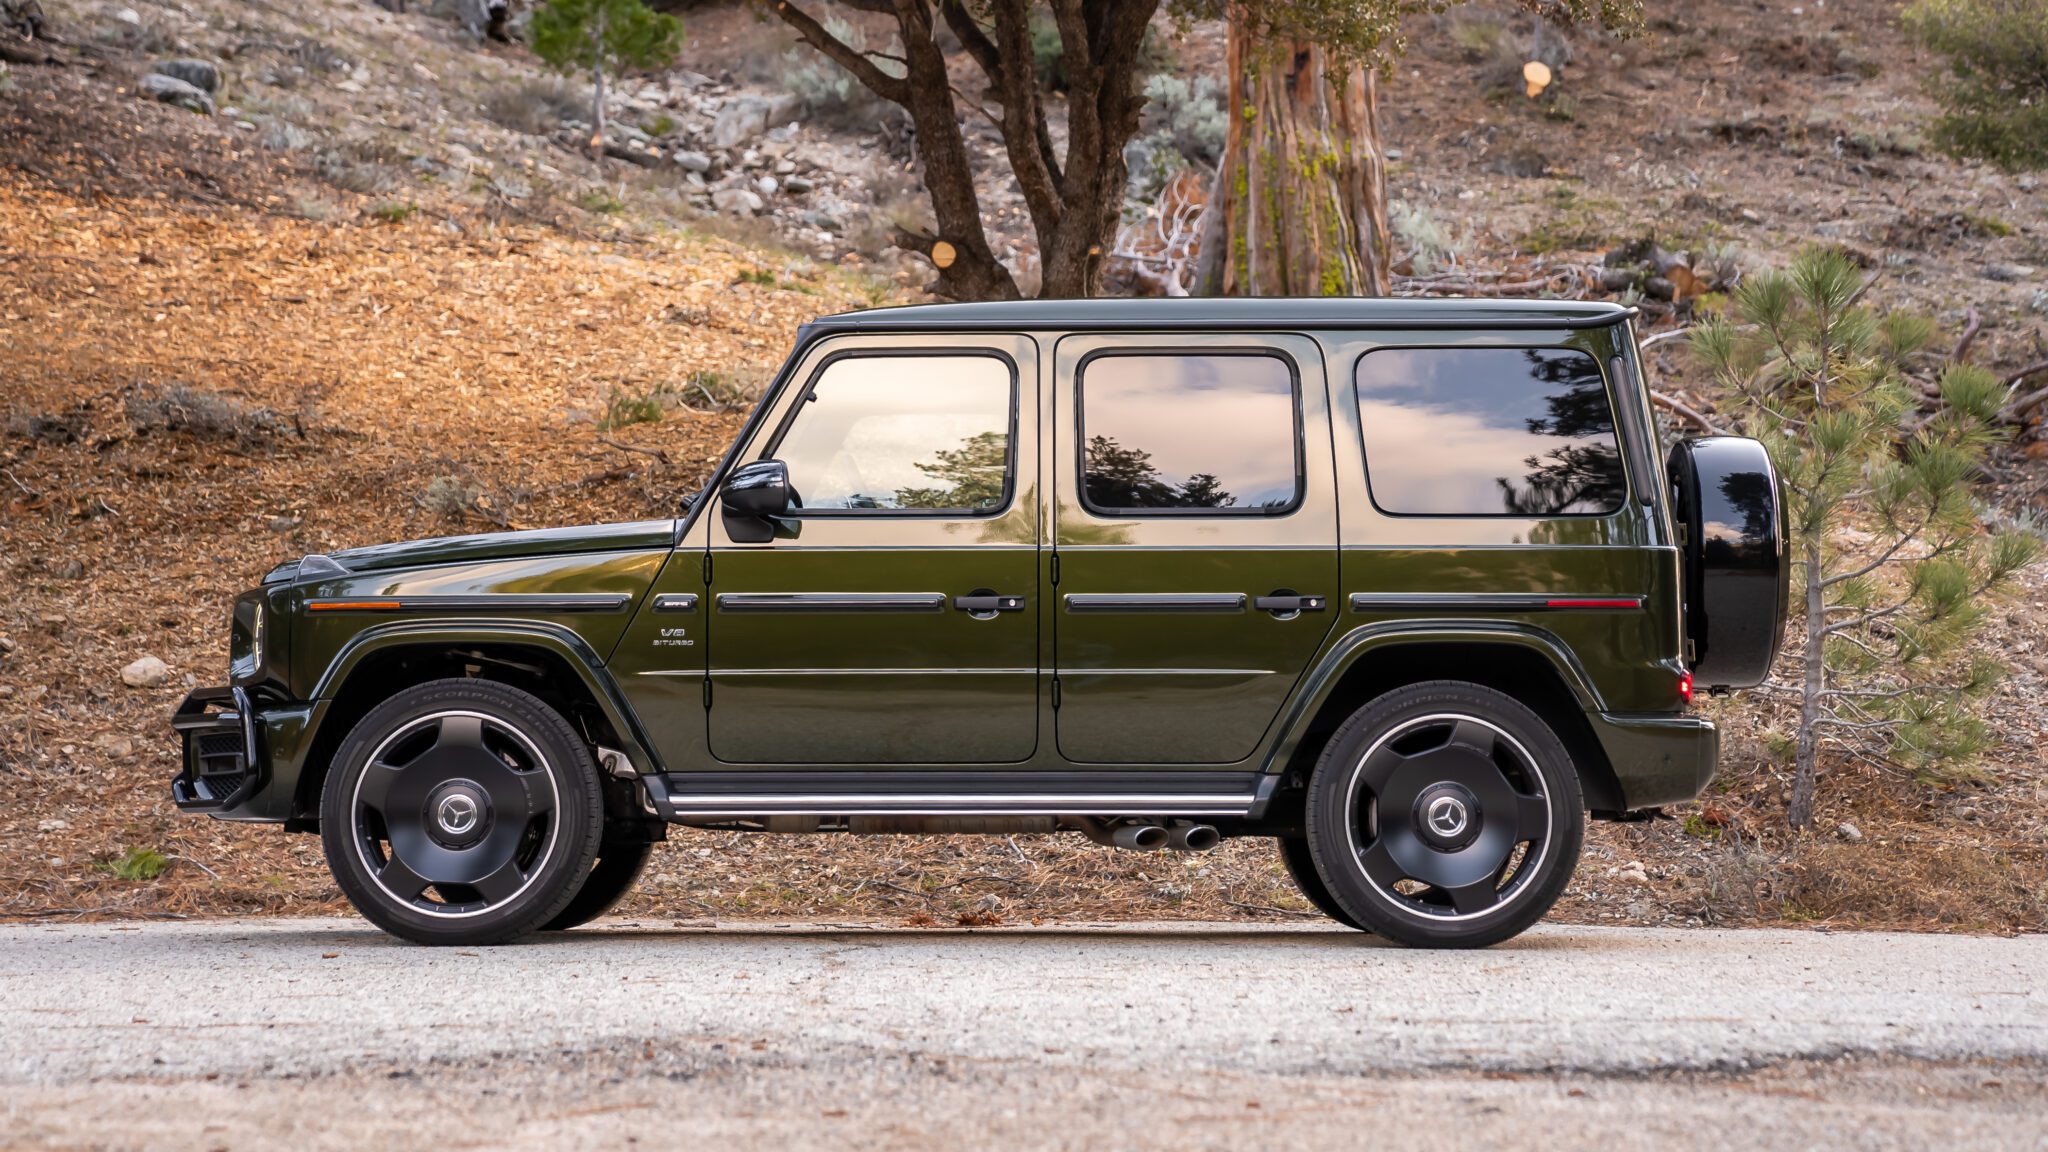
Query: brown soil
pixel 199 379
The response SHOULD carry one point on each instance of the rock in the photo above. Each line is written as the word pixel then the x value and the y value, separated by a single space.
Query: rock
pixel 739 122
pixel 128 16
pixel 766 186
pixel 797 185
pixel 148 672
pixel 737 201
pixel 784 167
pixel 72 569
pixel 1750 216
pixel 783 107
pixel 198 73
pixel 1633 873
pixel 696 162
pixel 626 150
pixel 284 523
pixel 115 747
pixel 1849 832
pixel 52 825
pixel 2008 273
pixel 171 90
pixel 7 645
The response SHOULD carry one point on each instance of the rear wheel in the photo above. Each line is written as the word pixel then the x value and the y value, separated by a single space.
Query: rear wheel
pixel 1445 815
pixel 461 812
pixel 618 866
pixel 1301 865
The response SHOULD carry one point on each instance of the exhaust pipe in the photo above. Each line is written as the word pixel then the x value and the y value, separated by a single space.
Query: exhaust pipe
pixel 1193 837
pixel 1139 837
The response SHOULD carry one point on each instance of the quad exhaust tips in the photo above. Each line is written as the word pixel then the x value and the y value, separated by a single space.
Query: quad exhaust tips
pixel 1182 836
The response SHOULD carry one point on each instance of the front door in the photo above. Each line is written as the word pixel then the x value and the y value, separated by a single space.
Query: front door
pixel 1196 528
pixel 894 617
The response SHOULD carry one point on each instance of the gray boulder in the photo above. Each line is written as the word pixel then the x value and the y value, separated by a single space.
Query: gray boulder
pixel 198 73
pixel 696 162
pixel 737 201
pixel 171 90
pixel 739 121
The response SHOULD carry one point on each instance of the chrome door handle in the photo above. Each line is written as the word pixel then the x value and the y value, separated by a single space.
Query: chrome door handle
pixel 988 603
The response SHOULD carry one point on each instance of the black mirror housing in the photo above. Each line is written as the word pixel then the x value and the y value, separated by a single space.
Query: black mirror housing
pixel 753 497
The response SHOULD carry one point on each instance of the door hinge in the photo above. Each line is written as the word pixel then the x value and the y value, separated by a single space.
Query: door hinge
pixel 707 569
pixel 1055 568
pixel 707 691
pixel 1055 692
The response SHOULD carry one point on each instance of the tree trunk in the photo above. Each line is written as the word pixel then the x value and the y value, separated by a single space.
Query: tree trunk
pixel 1300 204
pixel 1799 812
pixel 597 101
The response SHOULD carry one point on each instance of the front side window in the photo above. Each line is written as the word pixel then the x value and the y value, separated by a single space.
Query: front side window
pixel 904 433
pixel 1488 432
pixel 1166 433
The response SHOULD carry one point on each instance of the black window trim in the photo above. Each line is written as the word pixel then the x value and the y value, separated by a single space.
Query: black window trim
pixel 1613 412
pixel 1080 374
pixel 789 418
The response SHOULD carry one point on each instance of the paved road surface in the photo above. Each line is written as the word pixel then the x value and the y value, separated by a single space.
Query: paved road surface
pixel 326 1033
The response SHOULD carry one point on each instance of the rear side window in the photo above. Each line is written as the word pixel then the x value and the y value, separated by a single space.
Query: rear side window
pixel 907 433
pixel 1488 432
pixel 1171 433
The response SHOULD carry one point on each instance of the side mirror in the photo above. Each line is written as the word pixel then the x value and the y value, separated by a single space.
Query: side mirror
pixel 753 497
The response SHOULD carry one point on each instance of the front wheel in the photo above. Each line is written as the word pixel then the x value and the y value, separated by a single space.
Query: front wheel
pixel 1445 815
pixel 618 866
pixel 461 812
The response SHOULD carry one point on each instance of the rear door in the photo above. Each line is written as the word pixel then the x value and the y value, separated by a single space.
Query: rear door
pixel 1196 541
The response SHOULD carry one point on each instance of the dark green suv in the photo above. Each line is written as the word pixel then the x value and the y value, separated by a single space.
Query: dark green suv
pixel 1399 583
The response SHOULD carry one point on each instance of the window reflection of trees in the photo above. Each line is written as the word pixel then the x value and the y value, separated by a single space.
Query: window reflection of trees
pixel 1583 476
pixel 971 477
pixel 1120 477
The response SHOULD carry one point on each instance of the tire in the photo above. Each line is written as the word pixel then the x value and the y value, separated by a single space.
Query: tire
pixel 1445 815
pixel 618 865
pixel 461 812
pixel 1301 865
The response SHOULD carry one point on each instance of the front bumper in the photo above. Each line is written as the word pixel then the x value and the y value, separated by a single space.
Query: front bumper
pixel 220 768
pixel 1658 759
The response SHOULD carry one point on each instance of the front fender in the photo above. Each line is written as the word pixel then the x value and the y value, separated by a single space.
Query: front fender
pixel 573 649
pixel 1353 646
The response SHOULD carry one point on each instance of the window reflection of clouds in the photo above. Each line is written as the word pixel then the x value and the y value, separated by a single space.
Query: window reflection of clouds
pixel 1227 416
pixel 1459 432
pixel 876 419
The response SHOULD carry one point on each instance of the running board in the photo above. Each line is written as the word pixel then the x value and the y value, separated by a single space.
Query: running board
pixel 739 795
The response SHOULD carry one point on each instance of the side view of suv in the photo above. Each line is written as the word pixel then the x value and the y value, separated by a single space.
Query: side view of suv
pixel 1399 583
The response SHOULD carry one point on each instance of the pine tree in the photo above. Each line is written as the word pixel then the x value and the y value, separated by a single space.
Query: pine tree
pixel 602 37
pixel 1891 561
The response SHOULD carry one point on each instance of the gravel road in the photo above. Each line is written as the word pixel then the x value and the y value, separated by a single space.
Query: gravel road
pixel 322 1033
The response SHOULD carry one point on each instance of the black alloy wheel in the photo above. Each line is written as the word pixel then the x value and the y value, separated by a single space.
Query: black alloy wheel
pixel 1301 866
pixel 461 812
pixel 1445 814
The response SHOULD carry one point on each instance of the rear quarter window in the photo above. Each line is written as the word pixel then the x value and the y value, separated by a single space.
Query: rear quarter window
pixel 1488 432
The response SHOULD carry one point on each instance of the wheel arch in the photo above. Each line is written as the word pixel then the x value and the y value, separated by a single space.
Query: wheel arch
pixel 1524 662
pixel 549 661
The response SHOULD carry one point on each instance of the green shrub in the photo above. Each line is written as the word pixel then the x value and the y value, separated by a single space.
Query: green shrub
pixel 1190 110
pixel 829 92
pixel 1994 87
pixel 139 864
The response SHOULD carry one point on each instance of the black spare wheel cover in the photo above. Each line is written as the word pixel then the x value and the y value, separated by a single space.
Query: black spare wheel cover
pixel 1727 500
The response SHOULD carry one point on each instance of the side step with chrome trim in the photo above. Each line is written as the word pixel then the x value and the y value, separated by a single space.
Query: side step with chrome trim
pixel 742 795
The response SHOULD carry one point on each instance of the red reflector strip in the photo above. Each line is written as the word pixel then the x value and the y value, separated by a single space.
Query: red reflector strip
pixel 1685 687
pixel 353 606
pixel 1630 602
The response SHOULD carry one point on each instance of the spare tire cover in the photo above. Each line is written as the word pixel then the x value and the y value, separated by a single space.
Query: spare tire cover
pixel 1736 573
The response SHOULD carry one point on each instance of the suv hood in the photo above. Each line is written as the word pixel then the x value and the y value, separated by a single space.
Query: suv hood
pixel 638 535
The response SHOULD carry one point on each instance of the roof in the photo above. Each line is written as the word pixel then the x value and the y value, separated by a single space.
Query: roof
pixel 1228 313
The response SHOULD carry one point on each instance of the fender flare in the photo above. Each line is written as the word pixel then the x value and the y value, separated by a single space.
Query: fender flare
pixel 1365 640
pixel 553 638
